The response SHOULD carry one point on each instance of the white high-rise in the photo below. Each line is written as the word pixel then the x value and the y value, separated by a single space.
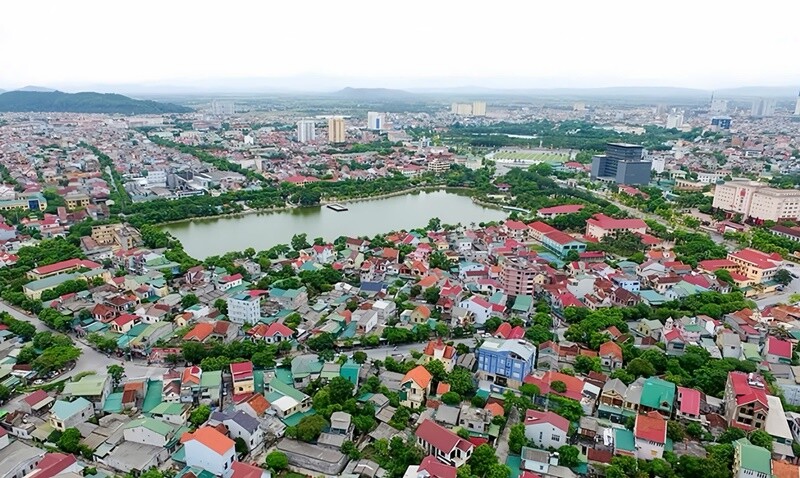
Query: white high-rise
pixel 797 106
pixel 376 121
pixel 675 120
pixel 336 133
pixel 223 107
pixel 478 108
pixel 306 131
pixel 763 107
pixel 719 106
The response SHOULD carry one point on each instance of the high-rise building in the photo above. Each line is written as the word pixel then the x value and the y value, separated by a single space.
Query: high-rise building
pixel 464 109
pixel 306 131
pixel 719 106
pixel 478 108
pixel 722 122
pixel 622 164
pixel 222 107
pixel 376 121
pixel 675 120
pixel 797 106
pixel 763 107
pixel 336 130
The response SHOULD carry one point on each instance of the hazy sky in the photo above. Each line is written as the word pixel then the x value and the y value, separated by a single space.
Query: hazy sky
pixel 542 43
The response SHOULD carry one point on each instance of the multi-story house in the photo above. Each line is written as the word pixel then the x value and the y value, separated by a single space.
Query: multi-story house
pixel 475 419
pixel 209 450
pixel 757 266
pixel 777 351
pixel 65 414
pixel 243 379
pixel 546 429
pixel 657 395
pixel 505 362
pixel 610 356
pixel 687 404
pixel 415 387
pixel 650 434
pixel 750 461
pixel 244 308
pixel 745 401
pixel 443 444
pixel 438 350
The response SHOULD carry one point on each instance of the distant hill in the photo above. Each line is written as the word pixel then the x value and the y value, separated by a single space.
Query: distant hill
pixel 57 101
pixel 372 94
pixel 38 89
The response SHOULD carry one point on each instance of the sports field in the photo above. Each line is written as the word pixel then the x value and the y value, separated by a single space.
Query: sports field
pixel 530 156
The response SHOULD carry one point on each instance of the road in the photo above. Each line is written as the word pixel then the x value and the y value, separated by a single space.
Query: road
pixel 380 353
pixel 91 360
pixel 781 297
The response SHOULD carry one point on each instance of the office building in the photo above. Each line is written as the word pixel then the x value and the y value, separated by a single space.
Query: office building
pixel 505 362
pixel 222 107
pixel 675 120
pixel 622 164
pixel 797 106
pixel 763 107
pixel 478 108
pixel 758 201
pixel 719 106
pixel 721 122
pixel 336 130
pixel 376 121
pixel 244 308
pixel 306 131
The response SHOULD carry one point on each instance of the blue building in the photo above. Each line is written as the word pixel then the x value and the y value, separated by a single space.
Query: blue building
pixel 506 362
pixel 723 122
pixel 622 164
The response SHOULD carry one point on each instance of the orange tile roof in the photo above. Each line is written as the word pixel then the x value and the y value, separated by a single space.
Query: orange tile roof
pixel 495 409
pixel 258 403
pixel 211 439
pixel 782 469
pixel 200 332
pixel 419 375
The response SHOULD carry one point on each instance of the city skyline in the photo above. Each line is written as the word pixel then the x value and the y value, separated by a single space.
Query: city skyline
pixel 547 46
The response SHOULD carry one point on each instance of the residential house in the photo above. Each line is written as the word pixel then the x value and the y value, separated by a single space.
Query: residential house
pixel 687 404
pixel 415 387
pixel 443 444
pixel 438 350
pixel 745 401
pixel 650 328
pixel 210 450
pixel 150 431
pixel 777 351
pixel 610 356
pixel 476 420
pixel 95 388
pixel 505 362
pixel 66 414
pixel 241 425
pixel 750 461
pixel 273 333
pixel 730 344
pixel 657 395
pixel 243 378
pixel 650 434
pixel 546 429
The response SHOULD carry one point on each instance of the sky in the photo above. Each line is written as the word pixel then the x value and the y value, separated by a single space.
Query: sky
pixel 432 43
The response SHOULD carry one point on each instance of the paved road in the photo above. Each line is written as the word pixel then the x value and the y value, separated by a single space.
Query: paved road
pixel 90 360
pixel 781 297
pixel 380 353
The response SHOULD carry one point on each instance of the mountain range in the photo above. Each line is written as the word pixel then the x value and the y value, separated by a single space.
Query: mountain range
pixel 42 100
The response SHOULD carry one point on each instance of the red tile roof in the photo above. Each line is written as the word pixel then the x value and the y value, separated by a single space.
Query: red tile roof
pixel 66 265
pixel 448 351
pixel 759 259
pixel 747 392
pixel 232 278
pixel 245 470
pixel 418 375
pixel 535 417
pixel 564 209
pixel 435 468
pixel 52 464
pixel 539 226
pixel 35 397
pixel 779 347
pixel 560 238
pixel 440 437
pixel 651 427
pixel 242 371
pixel 611 348
pixel 605 222
pixel 211 438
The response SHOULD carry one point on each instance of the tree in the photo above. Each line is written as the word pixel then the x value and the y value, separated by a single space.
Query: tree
pixel 349 448
pixel 568 456
pixel 640 367
pixel 5 393
pixel 585 364
pixel 461 382
pixel 189 300
pixel 761 438
pixel 340 389
pixel 529 390
pixel 559 386
pixel 116 372
pixel 310 428
pixel 70 440
pixel 55 358
pixel 300 241
pixel 731 435
pixel 193 352
pixel 451 398
pixel 359 357
pixel 783 277
pixel 482 460
pixel 241 447
pixel 437 370
pixel 516 438
pixel 277 461
pixel 492 324
pixel 438 260
pixel 695 430
pixel 200 415
pixel 431 295
pixel 222 306
pixel 675 431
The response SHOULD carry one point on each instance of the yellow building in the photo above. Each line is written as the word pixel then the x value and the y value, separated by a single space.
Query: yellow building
pixel 756 265
pixel 76 201
pixel 336 131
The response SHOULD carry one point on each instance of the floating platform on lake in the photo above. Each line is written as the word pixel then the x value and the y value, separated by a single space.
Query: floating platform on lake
pixel 337 207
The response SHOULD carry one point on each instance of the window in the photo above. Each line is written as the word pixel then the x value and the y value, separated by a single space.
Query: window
pixel 555 438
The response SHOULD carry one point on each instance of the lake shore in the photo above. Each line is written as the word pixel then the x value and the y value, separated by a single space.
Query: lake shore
pixel 326 202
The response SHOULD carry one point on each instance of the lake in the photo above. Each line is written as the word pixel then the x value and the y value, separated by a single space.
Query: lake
pixel 215 236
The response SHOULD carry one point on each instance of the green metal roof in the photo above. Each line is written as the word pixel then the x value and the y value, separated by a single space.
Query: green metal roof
pixel 753 457
pixel 523 303
pixel 279 386
pixel 658 394
pixel 623 440
pixel 294 419
pixel 212 379
pixel 63 409
pixel 90 385
pixel 153 395
pixel 113 403
pixel 166 408
pixel 162 428
pixel 350 371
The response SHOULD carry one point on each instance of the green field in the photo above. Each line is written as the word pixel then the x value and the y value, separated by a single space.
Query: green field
pixel 537 156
